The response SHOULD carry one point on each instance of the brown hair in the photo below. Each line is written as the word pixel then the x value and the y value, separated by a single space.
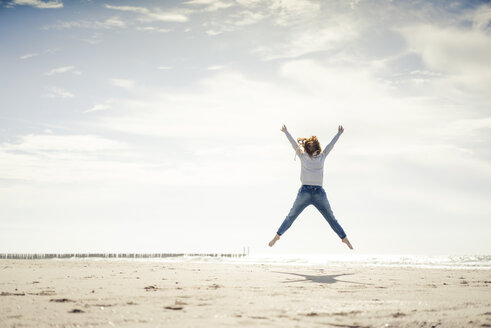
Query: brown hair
pixel 311 145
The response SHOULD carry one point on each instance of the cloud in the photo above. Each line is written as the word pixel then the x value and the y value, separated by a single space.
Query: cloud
pixel 39 3
pixel 462 56
pixel 140 10
pixel 98 107
pixel 332 81
pixel 95 38
pixel 215 67
pixel 26 56
pixel 110 23
pixel 291 12
pixel 54 159
pixel 306 26
pixel 153 29
pixel 55 92
pixel 233 21
pixel 142 113
pixel 34 143
pixel 247 17
pixel 52 50
pixel 467 128
pixel 60 70
pixel 481 18
pixel 214 107
pixel 51 158
pixel 335 34
pixel 155 15
pixel 164 67
pixel 124 83
pixel 209 5
pixel 113 22
pixel 145 16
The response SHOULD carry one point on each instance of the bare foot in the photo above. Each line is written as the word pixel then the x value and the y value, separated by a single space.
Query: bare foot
pixel 346 241
pixel 275 239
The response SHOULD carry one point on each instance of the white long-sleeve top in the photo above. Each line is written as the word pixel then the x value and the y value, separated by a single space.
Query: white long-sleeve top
pixel 312 172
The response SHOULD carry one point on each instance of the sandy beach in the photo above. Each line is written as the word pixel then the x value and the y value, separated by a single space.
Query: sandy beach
pixel 121 293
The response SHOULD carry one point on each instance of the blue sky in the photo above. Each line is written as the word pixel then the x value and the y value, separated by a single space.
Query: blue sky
pixel 154 125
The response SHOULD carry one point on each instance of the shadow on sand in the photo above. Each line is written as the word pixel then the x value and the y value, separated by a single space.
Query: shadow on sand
pixel 322 279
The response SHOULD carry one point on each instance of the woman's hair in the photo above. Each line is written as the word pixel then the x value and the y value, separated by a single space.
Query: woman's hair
pixel 311 145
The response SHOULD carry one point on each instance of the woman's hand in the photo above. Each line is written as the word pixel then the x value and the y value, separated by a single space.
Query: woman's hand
pixel 340 129
pixel 283 128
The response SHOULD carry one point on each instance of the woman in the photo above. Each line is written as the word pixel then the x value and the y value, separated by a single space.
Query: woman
pixel 311 192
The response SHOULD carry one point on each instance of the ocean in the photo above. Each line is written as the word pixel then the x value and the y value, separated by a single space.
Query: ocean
pixel 480 262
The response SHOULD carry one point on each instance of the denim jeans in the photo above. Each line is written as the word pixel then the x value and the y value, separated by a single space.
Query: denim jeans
pixel 312 195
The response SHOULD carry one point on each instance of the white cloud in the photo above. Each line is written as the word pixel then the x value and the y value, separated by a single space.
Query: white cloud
pixel 466 128
pixel 92 41
pixel 213 32
pixel 164 67
pixel 140 10
pixel 52 50
pixel 481 17
pixel 233 22
pixel 55 159
pixel 153 29
pixel 291 12
pixel 95 38
pixel 97 107
pixel 333 81
pixel 55 92
pixel 188 113
pixel 463 57
pixel 450 50
pixel 124 83
pixel 33 143
pixel 59 70
pixel 249 3
pixel 152 15
pixel 247 17
pixel 334 35
pixel 216 106
pixel 51 158
pixel 26 56
pixel 354 3
pixel 112 22
pixel 209 5
pixel 39 3
pixel 213 109
pixel 306 28
pixel 215 67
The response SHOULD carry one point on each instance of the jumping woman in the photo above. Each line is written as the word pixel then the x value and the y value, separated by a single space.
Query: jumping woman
pixel 311 191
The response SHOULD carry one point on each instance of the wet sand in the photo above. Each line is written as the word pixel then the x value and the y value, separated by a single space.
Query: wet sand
pixel 119 293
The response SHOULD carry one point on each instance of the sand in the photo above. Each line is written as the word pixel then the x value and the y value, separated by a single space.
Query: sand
pixel 122 293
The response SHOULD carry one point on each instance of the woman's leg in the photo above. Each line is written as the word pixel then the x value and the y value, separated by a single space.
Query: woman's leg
pixel 322 204
pixel 301 202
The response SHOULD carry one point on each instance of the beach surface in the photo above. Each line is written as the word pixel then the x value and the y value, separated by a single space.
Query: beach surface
pixel 130 293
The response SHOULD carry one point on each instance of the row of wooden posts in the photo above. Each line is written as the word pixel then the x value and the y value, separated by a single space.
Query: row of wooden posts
pixel 33 256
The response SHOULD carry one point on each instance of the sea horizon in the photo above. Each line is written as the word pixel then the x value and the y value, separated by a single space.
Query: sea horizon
pixel 470 261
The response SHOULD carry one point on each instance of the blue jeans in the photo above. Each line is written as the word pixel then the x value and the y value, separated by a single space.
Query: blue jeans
pixel 312 195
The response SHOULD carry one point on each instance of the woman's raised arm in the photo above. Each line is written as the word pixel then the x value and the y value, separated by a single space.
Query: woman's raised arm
pixel 333 141
pixel 290 138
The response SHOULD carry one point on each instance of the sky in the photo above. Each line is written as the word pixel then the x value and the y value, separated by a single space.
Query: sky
pixel 154 126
